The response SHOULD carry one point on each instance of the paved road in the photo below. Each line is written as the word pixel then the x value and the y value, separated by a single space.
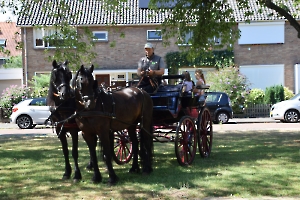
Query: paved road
pixel 246 124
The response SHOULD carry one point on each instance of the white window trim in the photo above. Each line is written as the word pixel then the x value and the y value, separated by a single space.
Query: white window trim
pixel 100 39
pixel 190 33
pixel 44 32
pixel 153 39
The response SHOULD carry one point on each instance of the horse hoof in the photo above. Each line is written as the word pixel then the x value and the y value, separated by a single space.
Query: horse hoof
pixel 134 170
pixel 147 171
pixel 65 177
pixel 112 182
pixel 76 180
pixel 96 181
pixel 89 167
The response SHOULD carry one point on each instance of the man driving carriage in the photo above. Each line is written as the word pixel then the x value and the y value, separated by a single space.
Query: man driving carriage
pixel 150 69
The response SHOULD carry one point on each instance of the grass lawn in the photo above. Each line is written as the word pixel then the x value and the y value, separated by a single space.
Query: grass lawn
pixel 242 164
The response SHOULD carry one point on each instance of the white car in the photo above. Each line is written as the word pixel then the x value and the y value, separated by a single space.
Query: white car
pixel 30 112
pixel 287 111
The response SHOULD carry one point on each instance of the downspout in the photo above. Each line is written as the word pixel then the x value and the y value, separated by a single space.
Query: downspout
pixel 25 57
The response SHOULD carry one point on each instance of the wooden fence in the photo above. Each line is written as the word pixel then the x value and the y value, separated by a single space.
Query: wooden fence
pixel 4 116
pixel 254 111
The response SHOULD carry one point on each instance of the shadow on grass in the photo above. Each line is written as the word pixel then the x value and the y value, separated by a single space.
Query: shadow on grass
pixel 241 164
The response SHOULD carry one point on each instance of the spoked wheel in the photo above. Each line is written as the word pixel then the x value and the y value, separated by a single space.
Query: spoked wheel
pixel 122 147
pixel 186 141
pixel 205 133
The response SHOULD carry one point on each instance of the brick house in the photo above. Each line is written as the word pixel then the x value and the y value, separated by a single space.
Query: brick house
pixel 266 52
pixel 12 76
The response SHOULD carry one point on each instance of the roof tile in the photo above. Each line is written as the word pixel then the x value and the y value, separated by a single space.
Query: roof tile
pixel 91 12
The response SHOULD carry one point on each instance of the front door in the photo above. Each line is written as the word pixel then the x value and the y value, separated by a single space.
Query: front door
pixel 103 78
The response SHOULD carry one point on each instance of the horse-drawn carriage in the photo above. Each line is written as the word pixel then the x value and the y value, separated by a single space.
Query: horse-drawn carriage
pixel 178 117
pixel 97 112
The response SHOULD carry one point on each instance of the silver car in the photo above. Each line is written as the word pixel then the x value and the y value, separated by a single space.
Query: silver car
pixel 287 111
pixel 30 112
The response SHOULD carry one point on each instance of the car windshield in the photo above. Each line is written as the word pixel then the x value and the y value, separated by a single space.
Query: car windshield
pixel 295 97
pixel 213 97
pixel 38 102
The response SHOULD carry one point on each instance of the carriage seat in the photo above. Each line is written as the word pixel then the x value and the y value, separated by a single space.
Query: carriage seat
pixel 169 88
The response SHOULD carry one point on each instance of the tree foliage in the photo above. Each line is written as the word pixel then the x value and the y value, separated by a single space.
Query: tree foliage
pixel 219 59
pixel 230 81
pixel 40 85
pixel 206 19
pixel 14 62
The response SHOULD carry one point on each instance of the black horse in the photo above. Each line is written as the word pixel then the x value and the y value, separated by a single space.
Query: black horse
pixel 100 113
pixel 62 105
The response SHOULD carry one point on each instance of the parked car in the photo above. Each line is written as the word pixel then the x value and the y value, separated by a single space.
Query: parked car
pixel 30 112
pixel 219 106
pixel 286 111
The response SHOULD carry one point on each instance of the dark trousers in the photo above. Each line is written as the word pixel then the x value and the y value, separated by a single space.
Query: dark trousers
pixel 148 88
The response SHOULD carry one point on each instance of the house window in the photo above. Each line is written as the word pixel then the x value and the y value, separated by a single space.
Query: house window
pixel 100 36
pixel 262 33
pixel 154 35
pixel 48 38
pixel 217 40
pixel 2 42
pixel 186 39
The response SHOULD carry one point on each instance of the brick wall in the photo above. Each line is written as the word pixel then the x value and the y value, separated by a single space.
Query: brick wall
pixel 125 54
pixel 287 54
pixel 128 50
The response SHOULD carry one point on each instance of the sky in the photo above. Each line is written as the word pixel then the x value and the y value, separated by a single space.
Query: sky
pixel 7 16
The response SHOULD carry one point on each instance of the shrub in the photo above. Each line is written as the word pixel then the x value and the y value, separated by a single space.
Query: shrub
pixel 256 96
pixel 40 85
pixel 288 93
pixel 274 94
pixel 230 81
pixel 13 95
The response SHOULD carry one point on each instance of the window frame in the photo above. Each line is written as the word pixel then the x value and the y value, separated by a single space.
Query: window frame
pixel 96 39
pixel 43 42
pixel 3 42
pixel 186 39
pixel 154 39
pixel 45 32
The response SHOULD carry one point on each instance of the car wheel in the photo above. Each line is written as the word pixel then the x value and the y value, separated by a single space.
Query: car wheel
pixel 222 117
pixel 24 122
pixel 291 116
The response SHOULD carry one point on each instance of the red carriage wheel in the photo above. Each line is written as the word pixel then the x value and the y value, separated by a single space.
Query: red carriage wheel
pixel 205 133
pixel 186 141
pixel 122 147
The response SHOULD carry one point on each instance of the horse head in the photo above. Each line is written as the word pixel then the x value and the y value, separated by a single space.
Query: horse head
pixel 86 88
pixel 60 80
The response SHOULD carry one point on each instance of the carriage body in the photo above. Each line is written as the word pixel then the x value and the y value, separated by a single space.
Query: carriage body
pixel 178 117
pixel 170 103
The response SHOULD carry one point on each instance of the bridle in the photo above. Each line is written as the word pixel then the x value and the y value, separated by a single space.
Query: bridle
pixel 58 87
pixel 85 99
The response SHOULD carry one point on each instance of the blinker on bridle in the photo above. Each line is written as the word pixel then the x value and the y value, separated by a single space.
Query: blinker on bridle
pixel 54 84
pixel 85 98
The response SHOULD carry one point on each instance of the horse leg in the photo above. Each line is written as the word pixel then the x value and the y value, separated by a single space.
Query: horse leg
pixel 90 164
pixel 135 149
pixel 106 143
pixel 74 135
pixel 64 143
pixel 146 145
pixel 90 141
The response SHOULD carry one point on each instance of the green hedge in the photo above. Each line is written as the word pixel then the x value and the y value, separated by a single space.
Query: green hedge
pixel 219 59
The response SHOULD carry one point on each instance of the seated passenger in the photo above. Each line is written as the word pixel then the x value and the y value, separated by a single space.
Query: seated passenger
pixel 200 81
pixel 188 84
